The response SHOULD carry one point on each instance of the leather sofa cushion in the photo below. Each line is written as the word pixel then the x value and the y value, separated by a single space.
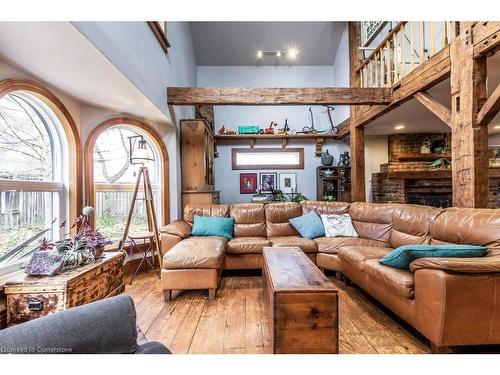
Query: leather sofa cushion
pixel 277 216
pixel 330 245
pixel 401 281
pixel 196 252
pixel 249 219
pixel 372 220
pixel 307 246
pixel 247 245
pixel 411 224
pixel 325 208
pixel 177 228
pixel 219 210
pixel 356 256
pixel 486 264
pixel 472 226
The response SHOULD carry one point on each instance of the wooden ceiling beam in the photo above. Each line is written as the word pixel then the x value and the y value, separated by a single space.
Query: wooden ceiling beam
pixel 441 111
pixel 490 108
pixel 277 96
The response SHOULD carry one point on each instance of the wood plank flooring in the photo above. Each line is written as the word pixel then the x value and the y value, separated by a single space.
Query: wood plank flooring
pixel 236 323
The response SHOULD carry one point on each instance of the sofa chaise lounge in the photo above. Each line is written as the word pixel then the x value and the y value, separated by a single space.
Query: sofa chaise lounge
pixel 451 301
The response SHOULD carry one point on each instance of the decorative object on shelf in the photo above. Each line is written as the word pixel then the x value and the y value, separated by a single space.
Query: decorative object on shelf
pixel 328 173
pixel 248 183
pixel 439 145
pixel 224 131
pixel 248 129
pixel 333 184
pixel 52 258
pixel 270 129
pixel 344 160
pixel 268 182
pixel 285 129
pixel 288 182
pixel 333 129
pixel 326 158
pixel 426 146
pixel 440 164
pixel 311 129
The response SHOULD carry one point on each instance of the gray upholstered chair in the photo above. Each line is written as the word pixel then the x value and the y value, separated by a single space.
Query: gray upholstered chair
pixel 107 326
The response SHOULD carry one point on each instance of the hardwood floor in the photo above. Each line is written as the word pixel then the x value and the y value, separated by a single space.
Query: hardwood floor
pixel 235 321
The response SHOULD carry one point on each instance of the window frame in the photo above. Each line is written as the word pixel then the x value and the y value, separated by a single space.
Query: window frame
pixel 68 165
pixel 140 127
pixel 236 151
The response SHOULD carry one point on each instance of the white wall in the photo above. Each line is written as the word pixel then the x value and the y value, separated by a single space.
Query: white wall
pixel 376 153
pixel 227 180
pixel 341 73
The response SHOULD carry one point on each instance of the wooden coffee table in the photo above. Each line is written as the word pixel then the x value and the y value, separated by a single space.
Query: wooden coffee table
pixel 301 301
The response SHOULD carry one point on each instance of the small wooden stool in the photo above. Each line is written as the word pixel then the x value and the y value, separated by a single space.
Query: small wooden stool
pixel 143 236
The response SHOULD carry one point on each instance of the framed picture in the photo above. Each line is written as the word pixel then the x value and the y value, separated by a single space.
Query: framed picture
pixel 248 183
pixel 288 182
pixel 268 182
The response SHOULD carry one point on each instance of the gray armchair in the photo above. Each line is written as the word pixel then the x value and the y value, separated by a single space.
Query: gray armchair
pixel 107 326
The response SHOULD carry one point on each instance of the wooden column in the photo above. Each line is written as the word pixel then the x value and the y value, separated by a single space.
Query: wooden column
pixel 357 134
pixel 469 139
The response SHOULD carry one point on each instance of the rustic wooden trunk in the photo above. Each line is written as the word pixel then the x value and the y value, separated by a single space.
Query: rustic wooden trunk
pixel 36 296
pixel 302 303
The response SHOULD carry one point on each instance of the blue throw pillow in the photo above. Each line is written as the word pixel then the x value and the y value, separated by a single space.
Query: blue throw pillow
pixel 309 225
pixel 213 226
pixel 404 255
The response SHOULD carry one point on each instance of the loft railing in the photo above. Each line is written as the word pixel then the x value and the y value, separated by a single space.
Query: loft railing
pixel 406 46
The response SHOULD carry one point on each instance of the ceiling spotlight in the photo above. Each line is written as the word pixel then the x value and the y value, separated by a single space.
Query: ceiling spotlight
pixel 259 54
pixel 278 54
pixel 292 53
pixel 399 127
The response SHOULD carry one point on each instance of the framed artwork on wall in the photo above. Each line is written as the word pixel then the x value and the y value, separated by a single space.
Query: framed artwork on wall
pixel 268 182
pixel 288 182
pixel 248 183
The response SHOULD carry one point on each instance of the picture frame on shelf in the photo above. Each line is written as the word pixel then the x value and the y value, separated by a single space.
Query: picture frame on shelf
pixel 248 183
pixel 268 182
pixel 288 182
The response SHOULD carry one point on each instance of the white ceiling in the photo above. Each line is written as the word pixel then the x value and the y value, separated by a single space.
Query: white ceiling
pixel 237 43
pixel 418 119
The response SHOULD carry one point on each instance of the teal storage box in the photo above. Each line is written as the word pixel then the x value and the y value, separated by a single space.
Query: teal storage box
pixel 248 129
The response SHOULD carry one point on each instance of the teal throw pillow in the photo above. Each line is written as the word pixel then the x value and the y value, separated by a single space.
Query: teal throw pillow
pixel 404 255
pixel 309 225
pixel 213 226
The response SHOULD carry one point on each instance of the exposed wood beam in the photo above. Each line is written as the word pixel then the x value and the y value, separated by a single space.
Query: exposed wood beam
pixel 469 149
pixel 490 108
pixel 344 128
pixel 277 96
pixel 442 112
pixel 486 38
pixel 357 134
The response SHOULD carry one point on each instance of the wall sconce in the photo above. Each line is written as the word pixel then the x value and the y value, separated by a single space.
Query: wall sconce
pixel 140 154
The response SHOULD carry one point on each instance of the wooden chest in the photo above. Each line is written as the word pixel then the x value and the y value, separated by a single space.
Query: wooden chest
pixel 302 303
pixel 36 296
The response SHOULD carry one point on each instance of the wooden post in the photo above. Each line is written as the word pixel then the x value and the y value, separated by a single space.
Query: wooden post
pixel 469 139
pixel 357 134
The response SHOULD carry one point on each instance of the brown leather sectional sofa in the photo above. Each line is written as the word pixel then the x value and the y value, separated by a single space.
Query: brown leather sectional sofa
pixel 450 301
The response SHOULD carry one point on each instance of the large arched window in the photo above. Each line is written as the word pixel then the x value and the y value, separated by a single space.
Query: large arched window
pixel 111 176
pixel 36 170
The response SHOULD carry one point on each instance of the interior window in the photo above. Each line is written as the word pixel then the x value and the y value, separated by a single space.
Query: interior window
pixel 33 197
pixel 268 158
pixel 114 180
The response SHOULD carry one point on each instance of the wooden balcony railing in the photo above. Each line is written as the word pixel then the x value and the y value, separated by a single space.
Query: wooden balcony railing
pixel 408 45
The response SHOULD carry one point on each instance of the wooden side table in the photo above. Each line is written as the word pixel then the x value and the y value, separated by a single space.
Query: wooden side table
pixel 32 297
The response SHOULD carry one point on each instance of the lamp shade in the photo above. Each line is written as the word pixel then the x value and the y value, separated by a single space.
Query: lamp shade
pixel 141 154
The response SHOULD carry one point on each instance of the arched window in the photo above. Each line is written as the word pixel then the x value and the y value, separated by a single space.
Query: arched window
pixel 36 168
pixel 112 177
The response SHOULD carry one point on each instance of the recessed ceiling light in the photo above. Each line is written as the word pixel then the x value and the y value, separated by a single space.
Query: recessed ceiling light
pixel 292 53
pixel 399 127
pixel 278 54
pixel 259 54
pixel 496 127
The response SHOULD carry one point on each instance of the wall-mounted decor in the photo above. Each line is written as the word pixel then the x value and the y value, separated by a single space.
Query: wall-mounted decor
pixel 267 158
pixel 267 182
pixel 288 183
pixel 248 183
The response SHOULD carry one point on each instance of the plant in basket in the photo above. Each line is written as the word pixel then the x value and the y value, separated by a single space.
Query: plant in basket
pixel 71 252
